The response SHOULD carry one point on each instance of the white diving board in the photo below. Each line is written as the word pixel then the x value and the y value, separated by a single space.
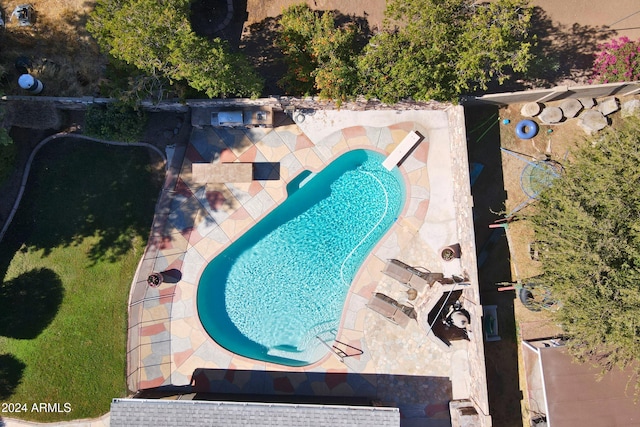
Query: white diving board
pixel 404 148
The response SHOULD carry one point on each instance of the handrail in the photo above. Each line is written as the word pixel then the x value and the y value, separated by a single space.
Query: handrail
pixel 340 358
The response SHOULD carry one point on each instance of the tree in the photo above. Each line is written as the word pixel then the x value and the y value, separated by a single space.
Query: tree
pixel 589 223
pixel 320 55
pixel 156 37
pixel 618 61
pixel 444 48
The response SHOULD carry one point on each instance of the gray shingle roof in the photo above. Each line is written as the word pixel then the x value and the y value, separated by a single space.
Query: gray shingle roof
pixel 187 413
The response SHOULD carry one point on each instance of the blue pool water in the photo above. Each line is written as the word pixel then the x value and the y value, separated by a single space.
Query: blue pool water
pixel 284 282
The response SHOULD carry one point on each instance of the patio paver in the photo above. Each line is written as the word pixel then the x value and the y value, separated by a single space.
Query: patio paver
pixel 208 218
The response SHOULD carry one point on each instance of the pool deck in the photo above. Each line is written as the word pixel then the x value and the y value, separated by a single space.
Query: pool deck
pixel 168 347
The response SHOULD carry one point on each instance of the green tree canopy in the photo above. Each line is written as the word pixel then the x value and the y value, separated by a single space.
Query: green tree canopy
pixel 320 55
pixel 156 37
pixel 443 48
pixel 589 224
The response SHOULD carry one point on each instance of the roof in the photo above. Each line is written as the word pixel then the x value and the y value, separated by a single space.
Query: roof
pixel 575 397
pixel 187 413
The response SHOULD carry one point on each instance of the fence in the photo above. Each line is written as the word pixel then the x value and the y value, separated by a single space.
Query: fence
pixel 556 93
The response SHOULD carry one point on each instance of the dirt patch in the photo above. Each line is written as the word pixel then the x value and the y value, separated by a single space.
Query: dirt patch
pixel 372 10
pixel 60 51
pixel 522 158
pixel 167 128
pixel 552 143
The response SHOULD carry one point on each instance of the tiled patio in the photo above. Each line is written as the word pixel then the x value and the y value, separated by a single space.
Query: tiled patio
pixel 167 343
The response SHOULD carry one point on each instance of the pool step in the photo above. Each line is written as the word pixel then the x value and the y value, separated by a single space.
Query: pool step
pixel 311 347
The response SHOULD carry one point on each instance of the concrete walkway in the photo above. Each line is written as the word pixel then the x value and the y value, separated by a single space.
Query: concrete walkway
pixel 102 421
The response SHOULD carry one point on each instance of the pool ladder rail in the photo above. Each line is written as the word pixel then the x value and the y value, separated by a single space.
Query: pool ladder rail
pixel 340 353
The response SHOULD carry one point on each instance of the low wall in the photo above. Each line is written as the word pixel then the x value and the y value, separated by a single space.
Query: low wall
pixel 283 102
pixel 478 394
pixel 556 93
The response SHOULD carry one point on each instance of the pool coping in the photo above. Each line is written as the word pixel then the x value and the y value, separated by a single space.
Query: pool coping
pixel 457 141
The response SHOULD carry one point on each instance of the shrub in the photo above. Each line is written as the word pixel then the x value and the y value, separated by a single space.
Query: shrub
pixel 116 122
pixel 587 220
pixel 320 55
pixel 619 61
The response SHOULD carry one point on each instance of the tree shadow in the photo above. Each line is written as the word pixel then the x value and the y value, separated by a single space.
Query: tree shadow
pixel 213 18
pixel 80 189
pixel 422 400
pixel 489 198
pixel 564 52
pixel 11 370
pixel 259 45
pixel 30 302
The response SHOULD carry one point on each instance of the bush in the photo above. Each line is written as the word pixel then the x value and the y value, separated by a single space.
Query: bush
pixel 156 38
pixel 619 61
pixel 5 139
pixel 115 122
pixel 320 55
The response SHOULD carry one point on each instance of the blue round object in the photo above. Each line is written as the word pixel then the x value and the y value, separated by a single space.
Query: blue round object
pixel 526 129
pixel 506 121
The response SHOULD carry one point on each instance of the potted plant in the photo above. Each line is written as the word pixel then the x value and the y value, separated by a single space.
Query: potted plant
pixel 450 252
pixel 154 280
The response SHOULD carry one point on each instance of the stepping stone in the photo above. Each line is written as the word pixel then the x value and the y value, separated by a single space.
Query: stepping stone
pixel 587 102
pixel 592 121
pixel 608 105
pixel 551 115
pixel 531 109
pixel 570 108
pixel 630 108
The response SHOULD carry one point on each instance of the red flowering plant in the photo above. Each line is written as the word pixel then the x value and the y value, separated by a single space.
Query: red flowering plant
pixel 618 61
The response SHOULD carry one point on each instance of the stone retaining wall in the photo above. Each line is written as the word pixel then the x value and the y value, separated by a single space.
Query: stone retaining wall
pixel 283 102
pixel 463 201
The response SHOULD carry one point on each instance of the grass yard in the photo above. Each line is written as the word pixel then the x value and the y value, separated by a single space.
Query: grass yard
pixel 66 267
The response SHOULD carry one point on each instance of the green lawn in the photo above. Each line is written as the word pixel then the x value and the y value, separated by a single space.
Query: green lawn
pixel 7 160
pixel 66 266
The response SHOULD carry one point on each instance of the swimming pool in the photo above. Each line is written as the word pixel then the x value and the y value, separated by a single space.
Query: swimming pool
pixel 279 289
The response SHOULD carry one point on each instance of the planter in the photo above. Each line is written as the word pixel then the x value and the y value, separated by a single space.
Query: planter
pixel 154 280
pixel 450 252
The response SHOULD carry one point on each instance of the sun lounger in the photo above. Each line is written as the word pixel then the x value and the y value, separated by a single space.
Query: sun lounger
pixel 391 309
pixel 415 277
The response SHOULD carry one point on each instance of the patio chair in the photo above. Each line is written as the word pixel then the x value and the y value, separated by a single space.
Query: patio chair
pixel 391 309
pixel 418 278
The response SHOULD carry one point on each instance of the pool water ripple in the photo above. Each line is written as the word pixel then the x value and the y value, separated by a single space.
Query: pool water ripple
pixel 283 282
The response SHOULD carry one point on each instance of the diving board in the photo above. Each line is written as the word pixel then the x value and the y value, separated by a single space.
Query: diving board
pixel 222 172
pixel 404 148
